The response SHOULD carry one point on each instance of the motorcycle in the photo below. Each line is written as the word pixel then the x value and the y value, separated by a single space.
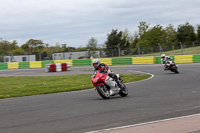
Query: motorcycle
pixel 172 66
pixel 106 86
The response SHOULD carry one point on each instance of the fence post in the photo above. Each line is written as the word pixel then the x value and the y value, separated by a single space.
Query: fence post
pixel 118 49
pixel 160 48
pixel 138 49
pixel 181 47
pixel 40 56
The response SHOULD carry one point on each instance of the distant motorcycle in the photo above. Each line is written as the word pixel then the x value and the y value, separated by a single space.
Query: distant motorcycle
pixel 107 86
pixel 172 66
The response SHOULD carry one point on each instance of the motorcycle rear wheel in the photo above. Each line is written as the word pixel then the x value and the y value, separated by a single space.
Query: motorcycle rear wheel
pixel 176 70
pixel 103 91
pixel 124 91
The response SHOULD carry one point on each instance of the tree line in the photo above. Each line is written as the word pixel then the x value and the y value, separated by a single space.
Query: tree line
pixel 149 38
pixel 117 41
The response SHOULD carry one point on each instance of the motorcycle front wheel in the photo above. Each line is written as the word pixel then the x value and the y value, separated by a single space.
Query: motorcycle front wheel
pixel 103 91
pixel 124 91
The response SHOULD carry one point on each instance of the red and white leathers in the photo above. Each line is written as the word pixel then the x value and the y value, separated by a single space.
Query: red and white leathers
pixel 101 67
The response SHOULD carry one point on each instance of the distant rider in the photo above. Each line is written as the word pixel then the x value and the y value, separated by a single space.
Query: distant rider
pixel 103 68
pixel 165 60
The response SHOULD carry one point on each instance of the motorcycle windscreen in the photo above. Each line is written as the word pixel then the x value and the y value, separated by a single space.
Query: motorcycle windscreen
pixel 94 73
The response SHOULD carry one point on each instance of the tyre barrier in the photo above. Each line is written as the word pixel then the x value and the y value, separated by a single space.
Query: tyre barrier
pixel 108 61
pixel 57 67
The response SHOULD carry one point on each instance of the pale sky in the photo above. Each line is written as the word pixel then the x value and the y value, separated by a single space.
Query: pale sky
pixel 75 21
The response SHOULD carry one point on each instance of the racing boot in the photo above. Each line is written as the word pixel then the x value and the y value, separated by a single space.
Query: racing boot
pixel 114 76
pixel 119 83
pixel 166 68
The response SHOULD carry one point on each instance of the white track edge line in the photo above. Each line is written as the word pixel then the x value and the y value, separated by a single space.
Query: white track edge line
pixel 152 76
pixel 143 123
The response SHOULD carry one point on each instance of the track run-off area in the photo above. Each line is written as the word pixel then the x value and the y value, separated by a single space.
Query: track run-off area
pixel 165 97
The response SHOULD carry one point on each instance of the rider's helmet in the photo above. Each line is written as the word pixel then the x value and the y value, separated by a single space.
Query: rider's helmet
pixel 96 63
pixel 163 56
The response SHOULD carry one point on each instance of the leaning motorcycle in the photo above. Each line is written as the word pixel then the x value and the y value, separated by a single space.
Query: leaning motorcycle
pixel 106 86
pixel 172 66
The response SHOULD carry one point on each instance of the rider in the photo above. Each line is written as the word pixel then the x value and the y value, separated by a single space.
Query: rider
pixel 103 68
pixel 165 60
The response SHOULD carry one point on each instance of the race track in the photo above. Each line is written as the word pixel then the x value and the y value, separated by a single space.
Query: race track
pixel 166 95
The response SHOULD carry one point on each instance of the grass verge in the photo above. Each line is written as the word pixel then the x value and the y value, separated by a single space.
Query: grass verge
pixel 186 51
pixel 27 86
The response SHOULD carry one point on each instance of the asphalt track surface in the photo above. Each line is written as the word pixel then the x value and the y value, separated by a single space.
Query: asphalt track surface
pixel 166 95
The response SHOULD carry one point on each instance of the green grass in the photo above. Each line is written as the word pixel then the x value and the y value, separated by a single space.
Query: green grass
pixel 27 86
pixel 186 51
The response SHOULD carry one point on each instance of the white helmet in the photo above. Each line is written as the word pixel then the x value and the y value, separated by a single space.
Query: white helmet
pixel 163 55
pixel 96 63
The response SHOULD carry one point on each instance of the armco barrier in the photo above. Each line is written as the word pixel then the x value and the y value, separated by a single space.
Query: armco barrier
pixel 24 65
pixel 157 60
pixel 122 61
pixel 82 62
pixel 46 62
pixel 107 61
pixel 196 58
pixel 3 65
pixel 13 65
pixel 143 60
pixel 36 64
pixel 183 59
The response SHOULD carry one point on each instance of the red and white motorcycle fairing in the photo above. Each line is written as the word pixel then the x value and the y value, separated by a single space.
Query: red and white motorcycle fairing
pixel 106 86
pixel 114 88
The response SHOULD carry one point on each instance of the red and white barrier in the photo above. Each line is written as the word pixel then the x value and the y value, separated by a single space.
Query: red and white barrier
pixel 57 67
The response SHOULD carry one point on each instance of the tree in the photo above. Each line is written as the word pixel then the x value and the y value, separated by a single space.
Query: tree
pixel 143 28
pixel 13 45
pixel 171 36
pixel 33 46
pixel 92 47
pixel 142 34
pixel 57 48
pixel 151 37
pixel 64 47
pixel 18 51
pixel 7 47
pixel 126 39
pixel 156 35
pixel 114 41
pixel 186 34
pixel 133 43
pixel 198 34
